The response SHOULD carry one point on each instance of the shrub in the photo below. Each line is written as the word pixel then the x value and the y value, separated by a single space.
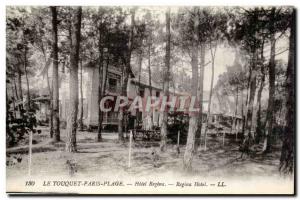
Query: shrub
pixel 17 126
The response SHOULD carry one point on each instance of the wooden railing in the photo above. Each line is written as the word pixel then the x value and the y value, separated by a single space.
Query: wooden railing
pixel 110 120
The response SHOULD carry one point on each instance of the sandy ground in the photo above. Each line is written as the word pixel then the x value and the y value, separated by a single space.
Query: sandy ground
pixel 110 159
pixel 94 157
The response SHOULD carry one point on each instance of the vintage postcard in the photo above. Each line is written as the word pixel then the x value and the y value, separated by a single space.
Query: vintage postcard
pixel 150 100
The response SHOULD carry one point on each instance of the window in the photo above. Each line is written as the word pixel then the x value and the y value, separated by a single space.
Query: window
pixel 112 116
pixel 157 94
pixel 112 84
pixel 142 92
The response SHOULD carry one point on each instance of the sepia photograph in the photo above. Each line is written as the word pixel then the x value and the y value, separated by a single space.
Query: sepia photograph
pixel 150 100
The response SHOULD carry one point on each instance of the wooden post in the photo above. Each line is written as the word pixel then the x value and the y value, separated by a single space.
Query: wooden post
pixel 134 123
pixel 129 152
pixel 29 153
pixel 205 139
pixel 178 138
pixel 178 142
pixel 236 128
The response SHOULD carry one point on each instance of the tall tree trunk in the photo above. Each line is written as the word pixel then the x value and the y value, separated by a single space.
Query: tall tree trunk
pixel 19 79
pixel 100 93
pixel 47 63
pixel 100 71
pixel 81 99
pixel 234 121
pixel 73 83
pixel 200 96
pixel 212 54
pixel 140 61
pixel 248 122
pixel 50 105
pixel 55 85
pixel 259 125
pixel 288 146
pixel 150 81
pixel 194 118
pixel 13 98
pixel 193 121
pixel 103 89
pixel 270 111
pixel 242 109
pixel 19 86
pixel 15 88
pixel 126 73
pixel 14 95
pixel 246 103
pixel 27 80
pixel 105 75
pixel 164 128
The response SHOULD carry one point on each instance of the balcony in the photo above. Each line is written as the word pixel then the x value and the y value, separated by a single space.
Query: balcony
pixel 110 118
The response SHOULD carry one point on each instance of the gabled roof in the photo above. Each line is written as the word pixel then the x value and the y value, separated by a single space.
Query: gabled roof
pixel 111 68
pixel 41 98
